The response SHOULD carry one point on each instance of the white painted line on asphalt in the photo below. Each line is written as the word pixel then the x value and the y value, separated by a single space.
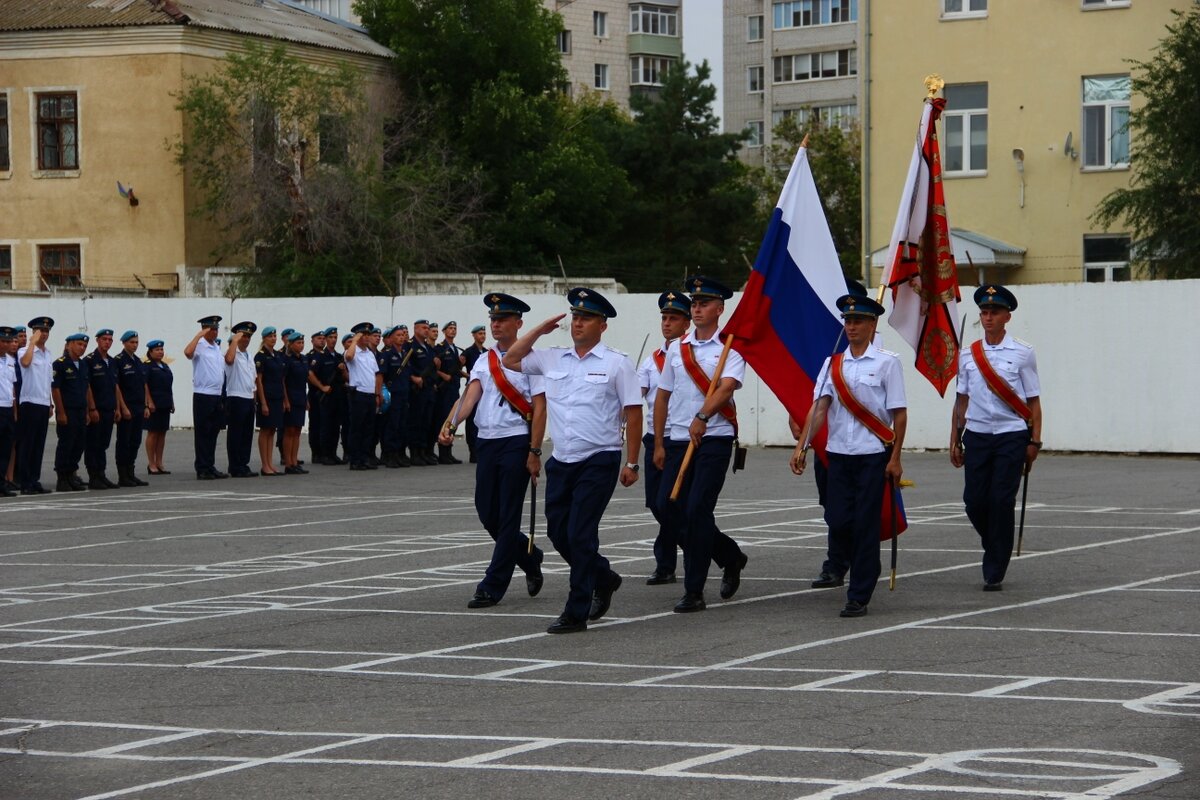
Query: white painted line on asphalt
pixel 140 743
pixel 496 755
pixel 849 676
pixel 686 764
pixel 1005 688
pixel 1080 631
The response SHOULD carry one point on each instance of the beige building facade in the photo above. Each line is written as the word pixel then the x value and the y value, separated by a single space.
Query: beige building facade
pixel 789 58
pixel 1034 133
pixel 91 198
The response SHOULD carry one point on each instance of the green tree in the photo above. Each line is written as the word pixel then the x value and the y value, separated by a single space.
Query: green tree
pixel 1161 206
pixel 294 168
pixel 835 157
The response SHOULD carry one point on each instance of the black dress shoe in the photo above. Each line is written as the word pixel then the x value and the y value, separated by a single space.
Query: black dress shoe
pixel 35 488
pixel 12 487
pixel 534 581
pixel 732 578
pixel 482 600
pixel 358 467
pixel 659 577
pixel 216 473
pixel 602 598
pixel 77 484
pixel 243 473
pixel 827 580
pixel 993 586
pixel 565 624
pixel 111 485
pixel 689 603
pixel 295 470
pixel 4 492
pixel 205 476
pixel 853 609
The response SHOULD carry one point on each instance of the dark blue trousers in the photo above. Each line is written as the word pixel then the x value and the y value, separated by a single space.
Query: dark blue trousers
pixel 692 515
pixel 500 481
pixel 420 416
pixel 854 499
pixel 993 464
pixel 315 419
pixel 206 424
pixel 239 438
pixel 444 399
pixel 395 432
pixel 331 421
pixel 72 439
pixel 665 543
pixel 8 431
pixel 837 559
pixel 98 438
pixel 129 436
pixel 576 496
pixel 362 426
pixel 33 423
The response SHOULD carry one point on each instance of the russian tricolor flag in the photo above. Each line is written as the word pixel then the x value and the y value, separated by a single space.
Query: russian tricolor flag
pixel 787 322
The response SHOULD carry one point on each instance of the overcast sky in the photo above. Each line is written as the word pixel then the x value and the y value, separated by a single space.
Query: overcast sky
pixel 702 40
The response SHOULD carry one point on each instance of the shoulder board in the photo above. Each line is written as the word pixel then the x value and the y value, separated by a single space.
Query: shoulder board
pixel 559 347
pixel 888 352
pixel 619 352
pixel 61 359
pixel 1022 342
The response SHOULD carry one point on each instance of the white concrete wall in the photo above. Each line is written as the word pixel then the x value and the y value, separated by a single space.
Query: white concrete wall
pixel 1117 361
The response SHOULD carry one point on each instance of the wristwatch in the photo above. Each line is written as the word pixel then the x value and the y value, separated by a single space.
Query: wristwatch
pixel 537 451
pixel 703 417
pixel 634 467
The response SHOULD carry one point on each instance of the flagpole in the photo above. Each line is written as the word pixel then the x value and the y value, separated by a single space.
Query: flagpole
pixel 895 532
pixel 691 448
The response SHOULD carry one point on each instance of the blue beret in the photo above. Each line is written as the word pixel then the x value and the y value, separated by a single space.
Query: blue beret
pixel 589 301
pixel 209 322
pixel 286 332
pixel 104 332
pixel 478 329
pixel 154 343
pixel 127 335
pixel 268 331
pixel 675 303
pixel 347 337
pixel 318 333
pixel 701 286
pixel 504 305
pixel 294 336
pixel 451 322
pixel 421 322
pixel 852 305
pixel 331 329
pixel 993 294
pixel 401 327
pixel 77 337
pixel 390 331
pixel 19 328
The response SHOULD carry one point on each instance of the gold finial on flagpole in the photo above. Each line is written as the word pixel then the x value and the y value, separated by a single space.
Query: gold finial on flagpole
pixel 933 85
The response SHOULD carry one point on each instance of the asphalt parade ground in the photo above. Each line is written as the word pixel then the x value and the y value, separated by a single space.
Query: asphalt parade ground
pixel 308 637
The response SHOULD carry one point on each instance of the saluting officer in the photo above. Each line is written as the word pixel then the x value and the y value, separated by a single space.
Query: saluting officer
pixel 366 394
pixel 240 387
pixel 131 379
pixel 73 402
pixel 208 380
pixel 511 413
pixel 862 393
pixel 420 399
pixel 8 406
pixel 675 317
pixel 34 375
pixel 470 356
pixel 996 428
pixel 589 388
pixel 393 363
pixel 684 412
pixel 106 411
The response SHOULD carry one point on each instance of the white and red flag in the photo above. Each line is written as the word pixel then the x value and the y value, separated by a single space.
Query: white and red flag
pixel 920 268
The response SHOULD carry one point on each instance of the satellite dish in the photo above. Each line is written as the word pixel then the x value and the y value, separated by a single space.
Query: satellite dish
pixel 1067 150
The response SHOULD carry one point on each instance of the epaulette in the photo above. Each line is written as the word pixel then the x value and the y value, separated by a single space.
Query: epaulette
pixel 559 347
pixel 619 352
pixel 888 352
pixel 60 358
pixel 1022 342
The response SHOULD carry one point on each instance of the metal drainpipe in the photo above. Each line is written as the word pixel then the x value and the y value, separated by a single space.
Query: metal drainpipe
pixel 865 68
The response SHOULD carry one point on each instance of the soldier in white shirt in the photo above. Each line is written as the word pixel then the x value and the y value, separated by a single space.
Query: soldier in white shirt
pixel 208 381
pixel 995 433
pixel 8 382
pixel 365 393
pixel 589 388
pixel 510 417
pixel 240 386
pixel 861 391
pixel 683 414
pixel 36 366
pixel 676 316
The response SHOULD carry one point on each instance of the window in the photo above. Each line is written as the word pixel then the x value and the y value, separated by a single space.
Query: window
pixel 58 131
pixel 839 116
pixel 5 266
pixel 58 264
pixel 564 42
pixel 5 162
pixel 333 139
pixel 958 9
pixel 1089 5
pixel 754 28
pixel 600 23
pixel 755 126
pixel 965 124
pixel 1106 122
pixel 653 19
pixel 754 79
pixel 265 135
pixel 648 71
pixel 811 66
pixel 803 13
pixel 600 80
pixel 1105 258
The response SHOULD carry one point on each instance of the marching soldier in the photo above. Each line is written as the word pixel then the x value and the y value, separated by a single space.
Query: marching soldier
pixel 131 378
pixel 861 391
pixel 470 356
pixel 676 316
pixel 996 427
pixel 588 388
pixel 450 368
pixel 420 399
pixel 208 380
pixel 685 412
pixel 73 404
pixel 105 411
pixel 240 387
pixel 511 415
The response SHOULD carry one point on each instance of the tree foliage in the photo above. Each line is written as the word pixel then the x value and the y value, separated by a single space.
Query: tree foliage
pixel 1161 206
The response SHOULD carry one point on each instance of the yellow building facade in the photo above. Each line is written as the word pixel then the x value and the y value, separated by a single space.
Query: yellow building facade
pixel 89 103
pixel 1033 135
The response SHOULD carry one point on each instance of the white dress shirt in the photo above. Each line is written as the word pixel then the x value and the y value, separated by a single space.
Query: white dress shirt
pixel 877 380
pixel 240 375
pixel 585 398
pixel 8 380
pixel 208 368
pixel 1015 362
pixel 648 375
pixel 494 416
pixel 363 368
pixel 686 397
pixel 36 378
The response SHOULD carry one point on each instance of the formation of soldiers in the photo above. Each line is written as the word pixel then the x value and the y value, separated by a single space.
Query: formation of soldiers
pixel 388 397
